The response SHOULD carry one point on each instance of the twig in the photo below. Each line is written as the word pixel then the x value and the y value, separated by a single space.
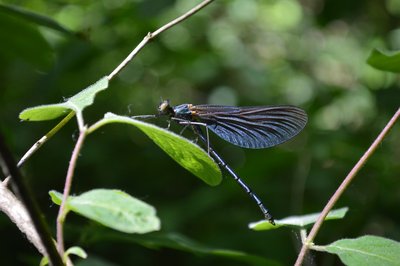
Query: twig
pixel 16 211
pixel 154 34
pixel 335 197
pixel 10 168
pixel 67 189
pixel 84 131
pixel 41 141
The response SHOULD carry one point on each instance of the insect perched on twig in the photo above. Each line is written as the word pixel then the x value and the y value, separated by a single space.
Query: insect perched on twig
pixel 254 127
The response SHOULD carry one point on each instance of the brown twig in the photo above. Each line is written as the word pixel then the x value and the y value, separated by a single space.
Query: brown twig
pixel 67 189
pixel 335 197
pixel 22 191
pixel 154 34
pixel 84 131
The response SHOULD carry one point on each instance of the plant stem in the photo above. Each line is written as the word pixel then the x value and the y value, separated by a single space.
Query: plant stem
pixel 154 34
pixel 335 197
pixel 41 141
pixel 67 188
pixel 21 189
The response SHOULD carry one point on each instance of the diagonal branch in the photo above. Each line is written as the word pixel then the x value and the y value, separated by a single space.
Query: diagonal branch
pixel 154 34
pixel 346 182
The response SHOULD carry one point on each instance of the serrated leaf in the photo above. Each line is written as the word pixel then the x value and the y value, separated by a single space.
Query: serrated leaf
pixel 302 221
pixel 385 61
pixel 86 97
pixel 367 250
pixel 115 209
pixel 77 251
pixel 76 103
pixel 186 153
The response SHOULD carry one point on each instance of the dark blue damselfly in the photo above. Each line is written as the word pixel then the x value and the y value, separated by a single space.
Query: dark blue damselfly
pixel 254 127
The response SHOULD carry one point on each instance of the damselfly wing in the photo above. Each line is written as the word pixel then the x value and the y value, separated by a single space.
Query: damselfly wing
pixel 254 127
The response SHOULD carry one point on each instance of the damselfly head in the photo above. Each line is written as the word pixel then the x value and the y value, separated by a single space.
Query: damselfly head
pixel 165 108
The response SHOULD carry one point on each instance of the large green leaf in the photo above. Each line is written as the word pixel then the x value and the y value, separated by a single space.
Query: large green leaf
pixel 114 209
pixel 385 61
pixel 76 103
pixel 367 250
pixel 302 221
pixel 183 151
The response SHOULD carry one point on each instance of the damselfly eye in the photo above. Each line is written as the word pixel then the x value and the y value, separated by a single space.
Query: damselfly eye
pixel 164 107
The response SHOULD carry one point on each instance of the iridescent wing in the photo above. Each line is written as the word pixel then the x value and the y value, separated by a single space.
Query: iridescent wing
pixel 252 127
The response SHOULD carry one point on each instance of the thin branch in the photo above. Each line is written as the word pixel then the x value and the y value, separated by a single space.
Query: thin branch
pixel 154 34
pixel 335 197
pixel 41 141
pixel 67 189
pixel 16 211
pixel 22 191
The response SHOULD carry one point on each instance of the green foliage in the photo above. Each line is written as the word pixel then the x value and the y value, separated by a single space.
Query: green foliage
pixel 385 61
pixel 241 52
pixel 367 250
pixel 114 209
pixel 298 222
pixel 76 103
pixel 77 251
pixel 183 151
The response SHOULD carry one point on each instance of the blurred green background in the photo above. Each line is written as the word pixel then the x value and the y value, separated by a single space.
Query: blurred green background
pixel 308 53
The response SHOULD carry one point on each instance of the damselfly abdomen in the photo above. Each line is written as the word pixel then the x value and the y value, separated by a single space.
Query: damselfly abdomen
pixel 253 127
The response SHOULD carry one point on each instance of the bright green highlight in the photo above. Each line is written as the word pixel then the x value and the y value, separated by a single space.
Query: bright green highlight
pixel 113 208
pixel 187 154
pixel 298 221
pixel 76 103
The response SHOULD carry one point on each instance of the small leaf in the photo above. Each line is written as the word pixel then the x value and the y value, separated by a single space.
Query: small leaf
pixel 385 61
pixel 56 197
pixel 367 250
pixel 86 97
pixel 77 251
pixel 186 153
pixel 115 209
pixel 44 261
pixel 45 112
pixel 298 221
pixel 76 103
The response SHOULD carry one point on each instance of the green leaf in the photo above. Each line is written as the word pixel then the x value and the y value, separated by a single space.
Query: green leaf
pixel 76 103
pixel 34 17
pixel 385 61
pixel 77 251
pixel 183 151
pixel 56 197
pixel 44 261
pixel 367 250
pixel 302 221
pixel 115 209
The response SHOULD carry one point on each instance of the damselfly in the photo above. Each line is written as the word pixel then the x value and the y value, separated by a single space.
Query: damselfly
pixel 254 127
